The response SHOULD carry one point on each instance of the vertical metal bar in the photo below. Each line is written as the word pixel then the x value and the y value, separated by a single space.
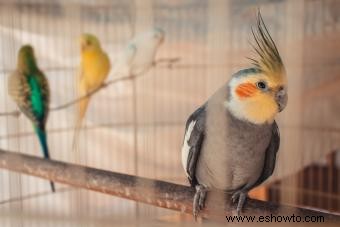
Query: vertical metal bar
pixel 13 126
pixel 292 139
pixel 143 21
pixel 331 180
pixel 218 42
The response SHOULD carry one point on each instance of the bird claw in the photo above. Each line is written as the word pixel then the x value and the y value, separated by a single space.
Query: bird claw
pixel 235 196
pixel 104 85
pixel 241 197
pixel 199 200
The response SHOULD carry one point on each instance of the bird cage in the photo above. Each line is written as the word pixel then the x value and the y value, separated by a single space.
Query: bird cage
pixel 135 122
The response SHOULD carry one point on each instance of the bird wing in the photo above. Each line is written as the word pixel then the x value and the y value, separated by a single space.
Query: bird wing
pixel 193 140
pixel 20 92
pixel 122 66
pixel 44 94
pixel 270 156
pixel 31 95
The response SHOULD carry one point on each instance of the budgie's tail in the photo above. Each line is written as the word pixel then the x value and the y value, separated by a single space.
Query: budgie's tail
pixel 40 130
pixel 82 107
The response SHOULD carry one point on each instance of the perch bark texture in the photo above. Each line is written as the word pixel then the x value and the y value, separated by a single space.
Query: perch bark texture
pixel 153 192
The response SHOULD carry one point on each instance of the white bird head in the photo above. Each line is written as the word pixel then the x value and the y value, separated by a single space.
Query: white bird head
pixel 159 35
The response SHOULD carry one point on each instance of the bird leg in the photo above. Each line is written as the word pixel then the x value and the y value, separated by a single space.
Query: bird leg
pixel 240 196
pixel 199 199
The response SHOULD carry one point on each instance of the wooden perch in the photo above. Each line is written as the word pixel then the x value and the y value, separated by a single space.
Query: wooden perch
pixel 153 192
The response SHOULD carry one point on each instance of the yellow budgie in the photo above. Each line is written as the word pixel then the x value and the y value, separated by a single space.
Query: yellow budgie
pixel 94 69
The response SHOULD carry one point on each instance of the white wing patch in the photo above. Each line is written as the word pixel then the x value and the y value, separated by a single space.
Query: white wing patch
pixel 186 147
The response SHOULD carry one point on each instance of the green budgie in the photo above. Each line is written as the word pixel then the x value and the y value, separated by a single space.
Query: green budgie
pixel 29 88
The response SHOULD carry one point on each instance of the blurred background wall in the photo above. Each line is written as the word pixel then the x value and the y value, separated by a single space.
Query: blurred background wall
pixel 211 38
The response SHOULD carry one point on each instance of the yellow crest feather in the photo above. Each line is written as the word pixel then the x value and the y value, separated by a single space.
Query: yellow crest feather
pixel 269 60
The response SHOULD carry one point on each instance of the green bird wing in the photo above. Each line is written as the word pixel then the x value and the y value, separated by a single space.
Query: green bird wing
pixel 32 94
pixel 40 96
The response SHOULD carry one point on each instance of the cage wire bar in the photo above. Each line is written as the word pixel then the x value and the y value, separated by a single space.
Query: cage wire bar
pixel 136 126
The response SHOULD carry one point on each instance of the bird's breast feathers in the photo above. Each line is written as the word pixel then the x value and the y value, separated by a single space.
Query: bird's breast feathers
pixel 95 67
pixel 232 153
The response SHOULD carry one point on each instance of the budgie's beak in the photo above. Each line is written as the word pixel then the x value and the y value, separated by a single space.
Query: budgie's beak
pixel 281 98
pixel 162 39
pixel 83 43
pixel 159 37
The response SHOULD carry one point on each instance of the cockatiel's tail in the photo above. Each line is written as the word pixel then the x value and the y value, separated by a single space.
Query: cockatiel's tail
pixel 30 90
pixel 94 69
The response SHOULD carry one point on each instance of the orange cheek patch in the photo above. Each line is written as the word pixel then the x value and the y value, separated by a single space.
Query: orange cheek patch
pixel 246 90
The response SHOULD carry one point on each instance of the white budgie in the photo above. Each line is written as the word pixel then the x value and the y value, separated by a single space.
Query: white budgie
pixel 139 54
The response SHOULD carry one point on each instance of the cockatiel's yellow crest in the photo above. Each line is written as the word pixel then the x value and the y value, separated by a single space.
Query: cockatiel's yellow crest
pixel 259 93
pixel 269 60
pixel 94 69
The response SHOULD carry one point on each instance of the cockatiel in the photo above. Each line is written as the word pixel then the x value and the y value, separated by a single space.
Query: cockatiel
pixel 139 54
pixel 94 69
pixel 231 141
pixel 29 88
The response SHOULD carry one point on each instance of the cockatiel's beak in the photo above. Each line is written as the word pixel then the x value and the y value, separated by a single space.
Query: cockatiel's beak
pixel 281 98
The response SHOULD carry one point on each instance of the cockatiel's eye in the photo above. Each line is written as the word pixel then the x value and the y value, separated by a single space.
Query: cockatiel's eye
pixel 262 85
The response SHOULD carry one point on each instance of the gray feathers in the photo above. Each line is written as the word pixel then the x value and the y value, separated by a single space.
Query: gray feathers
pixel 270 156
pixel 224 152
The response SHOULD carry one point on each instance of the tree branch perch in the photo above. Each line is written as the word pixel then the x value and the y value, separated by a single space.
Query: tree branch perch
pixel 169 62
pixel 153 192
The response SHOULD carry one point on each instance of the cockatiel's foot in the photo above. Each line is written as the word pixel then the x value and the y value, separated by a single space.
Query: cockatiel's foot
pixel 199 199
pixel 239 197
